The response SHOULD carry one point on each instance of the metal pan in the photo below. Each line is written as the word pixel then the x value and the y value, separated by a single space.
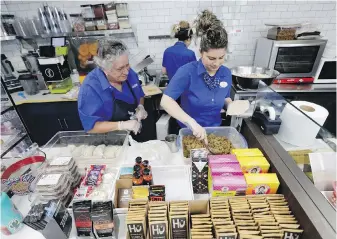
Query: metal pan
pixel 248 77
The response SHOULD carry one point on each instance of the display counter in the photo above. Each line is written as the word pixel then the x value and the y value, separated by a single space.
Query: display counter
pixel 315 214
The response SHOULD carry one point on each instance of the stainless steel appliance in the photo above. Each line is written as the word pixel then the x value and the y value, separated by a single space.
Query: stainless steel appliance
pixel 29 84
pixel 296 60
pixel 248 77
pixel 32 65
pixel 7 68
pixel 326 72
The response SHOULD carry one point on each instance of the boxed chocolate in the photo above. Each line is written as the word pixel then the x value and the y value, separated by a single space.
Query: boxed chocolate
pixel 199 171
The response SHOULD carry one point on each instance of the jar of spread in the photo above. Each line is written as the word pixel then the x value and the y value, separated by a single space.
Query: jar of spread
pixel 138 160
pixel 137 169
pixel 145 163
pixel 147 176
pixel 137 179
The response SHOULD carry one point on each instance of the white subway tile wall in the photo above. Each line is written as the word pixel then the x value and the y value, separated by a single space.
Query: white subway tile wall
pixel 156 18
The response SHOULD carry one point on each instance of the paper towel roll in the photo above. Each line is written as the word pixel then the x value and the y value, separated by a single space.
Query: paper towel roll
pixel 297 128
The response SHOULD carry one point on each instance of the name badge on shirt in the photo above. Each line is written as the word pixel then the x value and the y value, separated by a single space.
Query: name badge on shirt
pixel 134 86
pixel 223 84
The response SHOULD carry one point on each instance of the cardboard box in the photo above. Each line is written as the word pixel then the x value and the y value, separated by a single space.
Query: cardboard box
pixel 227 185
pixel 266 183
pixel 247 152
pixel 121 184
pixel 257 164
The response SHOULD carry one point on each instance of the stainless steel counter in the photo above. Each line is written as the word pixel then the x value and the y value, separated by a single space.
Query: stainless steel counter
pixel 294 88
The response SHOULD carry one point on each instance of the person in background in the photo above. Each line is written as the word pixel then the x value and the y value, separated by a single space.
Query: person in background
pixel 204 85
pixel 178 54
pixel 110 97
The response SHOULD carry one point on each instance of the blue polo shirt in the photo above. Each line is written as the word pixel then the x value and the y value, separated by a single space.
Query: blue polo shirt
pixel 197 100
pixel 177 56
pixel 95 99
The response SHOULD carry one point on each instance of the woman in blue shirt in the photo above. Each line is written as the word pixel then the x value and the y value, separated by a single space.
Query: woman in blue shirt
pixel 178 54
pixel 110 94
pixel 204 85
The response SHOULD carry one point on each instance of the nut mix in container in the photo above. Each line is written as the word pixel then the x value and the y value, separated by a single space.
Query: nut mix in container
pixel 218 144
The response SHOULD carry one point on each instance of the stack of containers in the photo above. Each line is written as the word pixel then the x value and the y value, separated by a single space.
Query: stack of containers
pixel 59 180
pixel 225 177
pixel 123 15
pixel 111 15
pixel 255 168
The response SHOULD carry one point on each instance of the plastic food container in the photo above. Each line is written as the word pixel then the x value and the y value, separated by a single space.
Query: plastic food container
pixel 98 10
pixel 101 24
pixel 87 11
pixel 89 24
pixel 231 133
pixel 77 22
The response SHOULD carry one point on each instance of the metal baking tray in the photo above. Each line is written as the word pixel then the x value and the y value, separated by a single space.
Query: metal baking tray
pixel 57 146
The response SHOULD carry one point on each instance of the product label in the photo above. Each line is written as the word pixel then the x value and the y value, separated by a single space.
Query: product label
pixel 158 230
pixel 20 185
pixel 136 231
pixel 291 235
pixel 227 237
pixel 60 161
pixel 179 228
pixel 49 179
pixel 261 189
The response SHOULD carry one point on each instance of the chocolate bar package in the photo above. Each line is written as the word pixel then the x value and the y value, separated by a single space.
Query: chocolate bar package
pixel 102 218
pixel 82 210
pixel 52 220
pixel 199 171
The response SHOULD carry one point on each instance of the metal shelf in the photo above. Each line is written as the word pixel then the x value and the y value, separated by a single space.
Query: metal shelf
pixel 83 34
pixel 7 38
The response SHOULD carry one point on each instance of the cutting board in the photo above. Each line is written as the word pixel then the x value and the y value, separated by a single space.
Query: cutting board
pixel 150 90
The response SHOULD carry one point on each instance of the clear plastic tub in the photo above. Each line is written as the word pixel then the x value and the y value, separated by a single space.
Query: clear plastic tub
pixel 238 141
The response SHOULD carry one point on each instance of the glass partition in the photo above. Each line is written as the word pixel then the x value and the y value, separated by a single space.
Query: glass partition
pixel 311 147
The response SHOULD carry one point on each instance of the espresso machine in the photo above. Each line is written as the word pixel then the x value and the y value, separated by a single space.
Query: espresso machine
pixel 32 65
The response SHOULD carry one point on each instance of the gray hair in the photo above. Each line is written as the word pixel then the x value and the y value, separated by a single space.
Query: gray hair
pixel 211 30
pixel 108 51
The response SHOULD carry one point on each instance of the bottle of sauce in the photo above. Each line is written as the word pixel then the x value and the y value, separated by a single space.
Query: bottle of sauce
pixel 147 176
pixel 138 160
pixel 137 179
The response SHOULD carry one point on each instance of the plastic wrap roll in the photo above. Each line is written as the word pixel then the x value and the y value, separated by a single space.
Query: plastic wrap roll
pixel 296 128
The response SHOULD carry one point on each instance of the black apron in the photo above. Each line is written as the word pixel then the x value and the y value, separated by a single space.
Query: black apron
pixel 123 110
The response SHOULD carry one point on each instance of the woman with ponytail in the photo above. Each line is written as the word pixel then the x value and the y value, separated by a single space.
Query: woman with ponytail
pixel 178 54
pixel 204 86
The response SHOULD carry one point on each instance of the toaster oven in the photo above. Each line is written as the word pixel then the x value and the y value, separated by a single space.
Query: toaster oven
pixel 293 59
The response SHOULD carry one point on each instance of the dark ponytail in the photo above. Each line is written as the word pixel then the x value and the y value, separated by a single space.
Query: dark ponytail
pixel 211 30
pixel 182 31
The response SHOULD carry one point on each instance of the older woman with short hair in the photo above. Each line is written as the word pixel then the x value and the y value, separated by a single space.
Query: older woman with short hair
pixel 111 97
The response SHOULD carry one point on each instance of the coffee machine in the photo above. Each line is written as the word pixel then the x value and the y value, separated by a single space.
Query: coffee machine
pixel 32 66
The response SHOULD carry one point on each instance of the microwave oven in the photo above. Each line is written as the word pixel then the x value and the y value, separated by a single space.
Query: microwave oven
pixel 293 59
pixel 326 71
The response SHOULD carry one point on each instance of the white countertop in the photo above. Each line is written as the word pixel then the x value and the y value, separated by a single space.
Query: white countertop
pixel 39 98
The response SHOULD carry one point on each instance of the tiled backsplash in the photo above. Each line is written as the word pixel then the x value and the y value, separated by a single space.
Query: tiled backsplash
pixel 156 18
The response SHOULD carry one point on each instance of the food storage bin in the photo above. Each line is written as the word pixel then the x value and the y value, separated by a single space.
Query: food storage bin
pixel 231 133
pixel 282 31
pixel 99 10
pixel 101 24
pixel 63 143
